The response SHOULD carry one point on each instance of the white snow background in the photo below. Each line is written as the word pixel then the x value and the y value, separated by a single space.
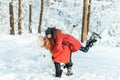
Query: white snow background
pixel 21 58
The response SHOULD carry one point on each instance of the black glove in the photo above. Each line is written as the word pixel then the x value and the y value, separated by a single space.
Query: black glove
pixel 84 49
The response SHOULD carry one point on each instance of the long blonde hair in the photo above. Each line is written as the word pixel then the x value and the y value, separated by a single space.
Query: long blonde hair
pixel 48 44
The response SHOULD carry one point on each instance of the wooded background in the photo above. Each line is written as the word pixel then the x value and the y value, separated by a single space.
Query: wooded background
pixel 85 15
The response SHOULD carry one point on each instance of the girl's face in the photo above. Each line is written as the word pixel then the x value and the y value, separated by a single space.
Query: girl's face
pixel 49 36
pixel 42 45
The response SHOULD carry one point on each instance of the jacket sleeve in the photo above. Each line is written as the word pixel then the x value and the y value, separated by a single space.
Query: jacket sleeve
pixel 58 42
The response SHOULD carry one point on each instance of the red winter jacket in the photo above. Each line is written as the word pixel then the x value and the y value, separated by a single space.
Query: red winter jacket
pixel 62 55
pixel 65 39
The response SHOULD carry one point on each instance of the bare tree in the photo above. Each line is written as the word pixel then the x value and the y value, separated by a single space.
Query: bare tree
pixel 20 17
pixel 88 18
pixel 85 23
pixel 12 31
pixel 30 16
pixel 41 15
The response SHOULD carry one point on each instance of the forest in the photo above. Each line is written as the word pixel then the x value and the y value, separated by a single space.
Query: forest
pixel 29 16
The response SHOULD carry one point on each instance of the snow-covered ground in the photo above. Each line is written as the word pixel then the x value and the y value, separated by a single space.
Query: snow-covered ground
pixel 21 58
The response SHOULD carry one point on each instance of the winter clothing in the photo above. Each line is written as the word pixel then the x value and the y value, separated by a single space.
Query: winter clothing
pixel 90 42
pixel 62 56
pixel 69 72
pixel 74 44
pixel 62 47
pixel 58 71
pixel 51 31
pixel 63 39
pixel 70 64
pixel 84 49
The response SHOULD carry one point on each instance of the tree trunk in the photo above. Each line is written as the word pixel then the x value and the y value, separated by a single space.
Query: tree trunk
pixel 12 31
pixel 89 8
pixel 20 17
pixel 85 21
pixel 41 15
pixel 30 16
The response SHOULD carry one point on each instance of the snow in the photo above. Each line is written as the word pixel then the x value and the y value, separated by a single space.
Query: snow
pixel 21 58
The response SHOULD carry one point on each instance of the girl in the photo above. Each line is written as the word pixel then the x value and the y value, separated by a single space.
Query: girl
pixel 61 56
pixel 61 39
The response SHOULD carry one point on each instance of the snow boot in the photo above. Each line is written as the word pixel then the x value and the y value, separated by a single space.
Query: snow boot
pixel 93 38
pixel 90 42
pixel 69 72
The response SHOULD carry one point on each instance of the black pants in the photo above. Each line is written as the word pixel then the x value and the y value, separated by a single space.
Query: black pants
pixel 58 71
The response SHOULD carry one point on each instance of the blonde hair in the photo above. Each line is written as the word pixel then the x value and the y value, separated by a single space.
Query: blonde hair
pixel 46 43
pixel 40 40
